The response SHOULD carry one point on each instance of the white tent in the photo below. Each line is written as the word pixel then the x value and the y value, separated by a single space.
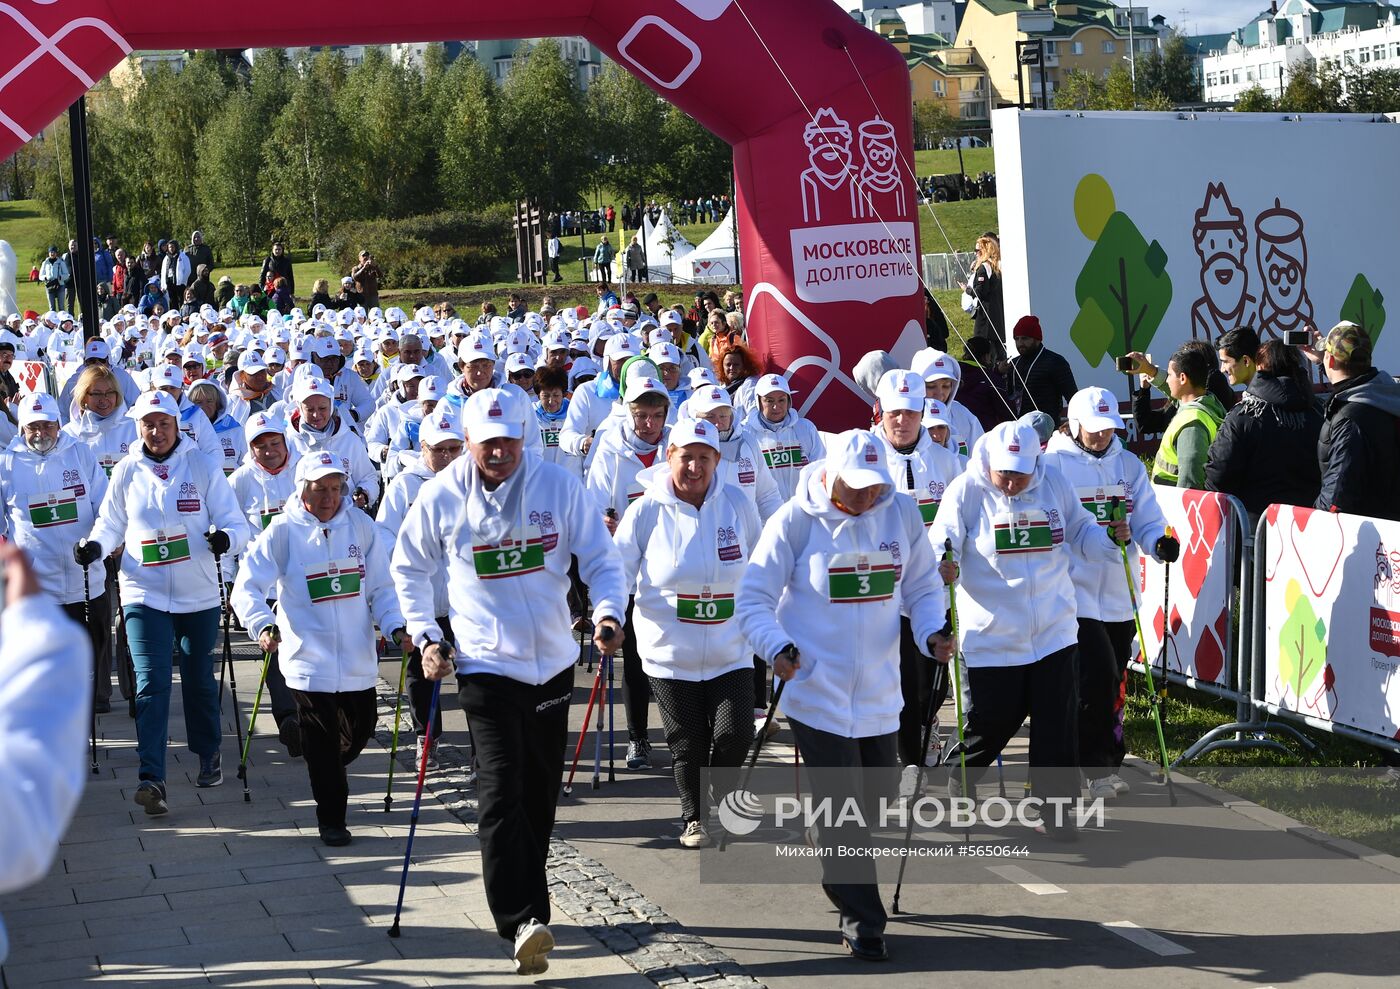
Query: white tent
pixel 665 246
pixel 713 262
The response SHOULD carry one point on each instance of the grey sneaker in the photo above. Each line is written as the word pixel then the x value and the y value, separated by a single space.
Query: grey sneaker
pixel 533 943
pixel 432 754
pixel 639 754
pixel 151 796
pixel 694 835
pixel 211 772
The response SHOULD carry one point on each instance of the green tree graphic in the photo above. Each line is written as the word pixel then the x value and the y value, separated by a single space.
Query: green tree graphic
pixel 1302 643
pixel 1365 306
pixel 1124 289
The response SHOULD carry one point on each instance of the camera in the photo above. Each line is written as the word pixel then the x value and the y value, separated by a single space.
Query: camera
pixel 1297 338
pixel 1126 364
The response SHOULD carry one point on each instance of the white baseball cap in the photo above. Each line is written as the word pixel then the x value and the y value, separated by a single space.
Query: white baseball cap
pixel 97 349
pixel 669 317
pixel 251 362
pixel 439 427
pixel 620 346
pixel 487 416
pixel 770 383
pixel 38 407
pixel 691 431
pixel 936 414
pixel 664 353
pixel 709 398
pixel 1012 446
pixel 855 458
pixel 314 466
pixel 167 376
pixel 476 347
pixel 518 363
pixel 699 377
pixel 261 424
pixel 407 372
pixel 152 402
pixel 900 391
pixel 934 365
pixel 1095 409
pixel 644 385
pixel 311 385
pixel 431 389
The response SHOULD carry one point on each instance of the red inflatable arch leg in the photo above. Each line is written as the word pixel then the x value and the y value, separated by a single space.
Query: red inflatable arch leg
pixel 816 107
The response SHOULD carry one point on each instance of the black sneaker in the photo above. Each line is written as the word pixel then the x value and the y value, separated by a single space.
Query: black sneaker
pixel 639 754
pixel 210 771
pixel 102 707
pixel 289 734
pixel 151 796
pixel 335 837
pixel 867 949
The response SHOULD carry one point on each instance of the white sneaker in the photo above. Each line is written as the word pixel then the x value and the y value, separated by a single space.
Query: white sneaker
pixel 533 943
pixel 695 835
pixel 1103 788
pixel 1120 785
pixel 908 781
pixel 432 754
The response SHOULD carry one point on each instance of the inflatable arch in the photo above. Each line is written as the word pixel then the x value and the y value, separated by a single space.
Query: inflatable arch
pixel 816 107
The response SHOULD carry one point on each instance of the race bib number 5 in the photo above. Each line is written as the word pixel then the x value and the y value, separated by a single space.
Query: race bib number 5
pixel 164 546
pixel 1023 532
pixel 1098 502
pixel 520 553
pixel 704 604
pixel 855 578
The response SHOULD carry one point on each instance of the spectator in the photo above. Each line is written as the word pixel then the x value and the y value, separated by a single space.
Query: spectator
pixel 154 297
pixel 258 301
pixel 199 252
pixel 202 287
pixel 281 298
pixel 1265 451
pixel 321 294
pixel 223 292
pixel 189 305
pixel 239 302
pixel 1181 457
pixel 636 260
pixel 607 298
pixel 1150 420
pixel 175 272
pixel 515 308
pixel 134 283
pixel 348 297
pixel 983 388
pixel 103 262
pixel 367 278
pixel 69 286
pixel 150 262
pixel 119 274
pixel 611 214
pixel 936 324
pixel 1357 450
pixel 602 261
pixel 107 303
pixel 275 265
pixel 982 292
pixel 552 249
pixel 1040 378
pixel 53 272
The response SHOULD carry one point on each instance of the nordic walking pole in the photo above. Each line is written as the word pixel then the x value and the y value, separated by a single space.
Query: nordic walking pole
pixel 1116 513
pixel 957 679
pixel 598 734
pixel 398 711
pixel 612 748
pixel 228 658
pixel 87 621
pixel 417 802
pixel 792 653
pixel 583 732
pixel 918 788
pixel 1001 779
pixel 253 722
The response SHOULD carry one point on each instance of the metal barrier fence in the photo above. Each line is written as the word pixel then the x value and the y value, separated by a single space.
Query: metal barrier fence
pixel 947 271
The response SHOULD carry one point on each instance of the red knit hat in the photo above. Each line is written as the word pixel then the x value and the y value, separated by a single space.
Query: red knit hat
pixel 1027 326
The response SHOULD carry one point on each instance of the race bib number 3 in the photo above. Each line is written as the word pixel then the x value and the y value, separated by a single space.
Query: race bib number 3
pixel 704 605
pixel 1024 532
pixel 336 581
pixel 854 578
pixel 1098 502
pixel 57 508
pixel 164 546
pixel 518 554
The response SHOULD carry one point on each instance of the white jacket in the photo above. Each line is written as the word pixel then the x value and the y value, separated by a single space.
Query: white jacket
pixel 228 431
pixel 587 410
pixel 341 440
pixel 332 587
pixel 848 683
pixel 966 426
pixel 934 467
pixel 195 425
pixel 352 393
pixel 381 427
pixel 1101 589
pixel 1016 606
pixel 399 497
pixel 49 503
pixel 612 475
pixel 168 508
pixel 261 496
pixel 787 446
pixel 45 662
pixel 515 626
pixel 552 451
pixel 672 551
pixel 109 439
pixel 744 467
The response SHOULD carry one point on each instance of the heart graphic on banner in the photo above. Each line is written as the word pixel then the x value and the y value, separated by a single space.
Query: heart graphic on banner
pixel 704 265
pixel 1205 514
pixel 1318 543
pixel 1274 539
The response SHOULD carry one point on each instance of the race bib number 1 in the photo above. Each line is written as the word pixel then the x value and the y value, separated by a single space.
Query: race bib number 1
pixel 335 581
pixel 855 578
pixel 1023 532
pixel 1098 502
pixel 704 604
pixel 520 553
pixel 55 508
pixel 164 546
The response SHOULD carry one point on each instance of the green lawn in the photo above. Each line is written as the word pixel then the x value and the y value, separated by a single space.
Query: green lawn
pixel 946 162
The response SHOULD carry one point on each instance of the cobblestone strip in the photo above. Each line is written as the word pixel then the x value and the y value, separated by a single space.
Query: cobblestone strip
pixel 625 921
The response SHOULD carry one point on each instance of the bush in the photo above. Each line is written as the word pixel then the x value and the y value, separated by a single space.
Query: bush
pixel 427 251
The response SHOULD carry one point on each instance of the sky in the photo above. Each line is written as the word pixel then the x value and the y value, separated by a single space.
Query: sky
pixel 1200 17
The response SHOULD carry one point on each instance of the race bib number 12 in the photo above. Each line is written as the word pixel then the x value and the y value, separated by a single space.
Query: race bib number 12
pixel 519 553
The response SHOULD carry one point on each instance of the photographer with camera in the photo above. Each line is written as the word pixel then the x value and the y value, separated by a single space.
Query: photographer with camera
pixel 367 277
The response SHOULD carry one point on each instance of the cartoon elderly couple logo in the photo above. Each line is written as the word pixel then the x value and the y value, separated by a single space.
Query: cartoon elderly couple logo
pixel 1280 253
pixel 832 185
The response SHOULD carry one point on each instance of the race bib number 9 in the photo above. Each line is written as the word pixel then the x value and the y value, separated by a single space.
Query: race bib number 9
pixel 704 604
pixel 1099 501
pixel 1023 532
pixel 520 553
pixel 335 581
pixel 164 546
pixel 855 578
pixel 55 508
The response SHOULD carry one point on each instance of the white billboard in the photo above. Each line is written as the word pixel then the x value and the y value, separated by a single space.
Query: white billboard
pixel 1140 231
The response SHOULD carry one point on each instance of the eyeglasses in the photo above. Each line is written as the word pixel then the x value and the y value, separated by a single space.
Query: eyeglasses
pixel 648 418
pixel 102 395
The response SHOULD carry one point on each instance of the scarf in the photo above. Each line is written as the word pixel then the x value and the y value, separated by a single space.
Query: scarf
pixel 773 427
pixel 552 416
pixel 161 458
pixel 490 514
pixel 635 443
pixel 606 387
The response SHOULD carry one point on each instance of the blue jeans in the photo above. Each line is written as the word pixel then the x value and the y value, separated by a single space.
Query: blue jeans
pixel 152 634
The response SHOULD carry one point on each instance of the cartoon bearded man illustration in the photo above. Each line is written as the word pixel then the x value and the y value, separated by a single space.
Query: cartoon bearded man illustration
pixel 1220 237
pixel 1282 256
pixel 828 140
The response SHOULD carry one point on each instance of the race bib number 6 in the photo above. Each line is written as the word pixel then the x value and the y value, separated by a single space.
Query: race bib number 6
pixel 334 581
pixel 520 553
pixel 855 578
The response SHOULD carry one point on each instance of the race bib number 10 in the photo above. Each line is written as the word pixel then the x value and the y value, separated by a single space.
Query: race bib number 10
pixel 520 553
pixel 704 604
pixel 855 578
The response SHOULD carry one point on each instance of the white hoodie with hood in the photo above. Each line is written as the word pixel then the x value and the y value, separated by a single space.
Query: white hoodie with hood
pixel 967 428
pixel 262 495
pixel 1100 588
pixel 848 682
pixel 1017 606
pixel 342 440
pixel 612 475
pixel 670 549
pixel 786 446
pixel 332 587
pixel 109 439
pixel 399 497
pixel 934 467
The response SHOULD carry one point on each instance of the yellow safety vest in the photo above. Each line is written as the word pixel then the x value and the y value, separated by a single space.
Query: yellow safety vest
pixel 1166 468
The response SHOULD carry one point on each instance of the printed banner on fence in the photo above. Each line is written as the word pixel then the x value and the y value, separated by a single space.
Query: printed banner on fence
pixel 1199 596
pixel 1332 612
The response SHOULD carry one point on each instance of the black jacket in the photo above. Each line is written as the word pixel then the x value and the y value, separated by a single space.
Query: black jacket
pixel 276 267
pixel 1359 447
pixel 1263 454
pixel 1041 381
